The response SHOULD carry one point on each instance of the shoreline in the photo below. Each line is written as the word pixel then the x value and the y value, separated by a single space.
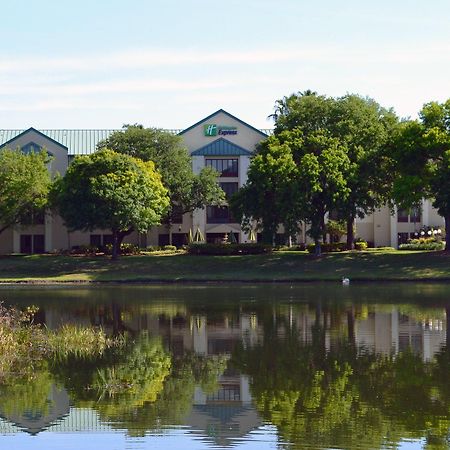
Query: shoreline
pixel 144 281
pixel 275 268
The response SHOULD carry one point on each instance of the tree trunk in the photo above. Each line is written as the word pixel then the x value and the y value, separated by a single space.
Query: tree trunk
pixel 317 247
pixel 447 233
pixel 117 241
pixel 350 233
pixel 115 245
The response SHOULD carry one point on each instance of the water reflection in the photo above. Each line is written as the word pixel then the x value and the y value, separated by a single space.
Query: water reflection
pixel 347 368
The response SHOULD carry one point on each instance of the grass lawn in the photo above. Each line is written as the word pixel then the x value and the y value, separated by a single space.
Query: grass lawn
pixel 279 266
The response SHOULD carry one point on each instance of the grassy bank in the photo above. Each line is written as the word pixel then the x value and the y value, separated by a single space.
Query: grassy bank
pixel 280 266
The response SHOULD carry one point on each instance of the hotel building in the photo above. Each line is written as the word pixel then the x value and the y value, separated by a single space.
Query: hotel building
pixel 221 141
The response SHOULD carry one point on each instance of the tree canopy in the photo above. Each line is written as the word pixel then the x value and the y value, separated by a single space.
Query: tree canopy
pixel 24 185
pixel 422 160
pixel 108 190
pixel 187 191
pixel 294 177
pixel 363 128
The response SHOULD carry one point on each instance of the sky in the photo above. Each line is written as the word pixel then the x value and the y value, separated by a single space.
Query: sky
pixel 169 63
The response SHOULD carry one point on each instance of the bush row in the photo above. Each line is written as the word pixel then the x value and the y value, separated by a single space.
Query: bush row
pixel 337 247
pixel 228 249
pixel 423 244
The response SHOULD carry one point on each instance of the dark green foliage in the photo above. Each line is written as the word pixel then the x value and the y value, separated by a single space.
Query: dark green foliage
pixel 111 191
pixel 363 129
pixel 328 247
pixel 229 249
pixel 422 157
pixel 24 185
pixel 186 190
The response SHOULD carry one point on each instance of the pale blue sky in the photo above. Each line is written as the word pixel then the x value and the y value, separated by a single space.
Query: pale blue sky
pixel 99 64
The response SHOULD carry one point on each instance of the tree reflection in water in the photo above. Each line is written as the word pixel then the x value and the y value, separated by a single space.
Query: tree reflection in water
pixel 347 397
pixel 312 373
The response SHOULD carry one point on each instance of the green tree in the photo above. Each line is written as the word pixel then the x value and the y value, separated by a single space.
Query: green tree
pixel 422 156
pixel 294 178
pixel 187 191
pixel 111 191
pixel 267 195
pixel 364 128
pixel 24 185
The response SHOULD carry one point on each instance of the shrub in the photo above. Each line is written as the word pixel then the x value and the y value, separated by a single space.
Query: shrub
pixel 328 248
pixel 125 249
pixel 229 249
pixel 170 248
pixel 361 245
pixel 84 250
pixel 153 248
pixel 423 244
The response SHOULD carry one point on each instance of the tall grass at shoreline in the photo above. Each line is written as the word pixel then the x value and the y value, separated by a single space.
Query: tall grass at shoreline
pixel 25 346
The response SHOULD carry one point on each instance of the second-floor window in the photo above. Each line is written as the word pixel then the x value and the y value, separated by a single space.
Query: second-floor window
pixel 413 215
pixel 225 167
pixel 229 189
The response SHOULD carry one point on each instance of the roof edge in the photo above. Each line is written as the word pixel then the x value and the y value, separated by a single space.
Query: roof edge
pixel 39 133
pixel 229 115
pixel 242 149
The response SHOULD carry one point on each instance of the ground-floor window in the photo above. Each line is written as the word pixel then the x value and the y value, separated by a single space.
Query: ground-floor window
pixel 32 243
pixel 100 240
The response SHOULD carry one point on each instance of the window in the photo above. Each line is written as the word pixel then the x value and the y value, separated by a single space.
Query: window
pixel 225 167
pixel 413 216
pixel 163 239
pixel 176 215
pixel 402 215
pixel 219 214
pixel 95 240
pixel 34 217
pixel 32 243
pixel 229 189
pixel 100 240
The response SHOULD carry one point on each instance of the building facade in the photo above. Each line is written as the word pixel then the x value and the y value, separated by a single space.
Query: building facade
pixel 221 141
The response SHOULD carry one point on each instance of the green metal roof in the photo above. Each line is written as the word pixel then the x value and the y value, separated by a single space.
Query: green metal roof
pixel 221 147
pixel 78 142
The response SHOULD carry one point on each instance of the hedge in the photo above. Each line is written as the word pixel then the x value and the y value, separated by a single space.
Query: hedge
pixel 228 249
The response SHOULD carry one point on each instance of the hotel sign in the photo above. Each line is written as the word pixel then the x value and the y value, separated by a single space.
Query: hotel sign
pixel 211 129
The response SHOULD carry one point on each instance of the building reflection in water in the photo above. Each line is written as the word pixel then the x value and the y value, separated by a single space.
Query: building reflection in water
pixel 227 414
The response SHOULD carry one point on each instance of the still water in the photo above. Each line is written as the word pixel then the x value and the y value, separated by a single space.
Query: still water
pixel 241 366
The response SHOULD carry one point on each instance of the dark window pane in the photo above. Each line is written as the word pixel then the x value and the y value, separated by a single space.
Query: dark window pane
pixel 25 243
pixel 402 215
pixel 217 214
pixel 229 189
pixel 179 239
pixel 415 215
pixel 96 240
pixel 163 239
pixel 38 243
pixel 225 167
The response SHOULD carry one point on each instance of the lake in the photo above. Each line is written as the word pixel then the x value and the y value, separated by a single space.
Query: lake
pixel 267 366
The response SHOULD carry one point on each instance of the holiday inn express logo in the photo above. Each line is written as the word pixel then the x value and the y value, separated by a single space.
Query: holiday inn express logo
pixel 211 129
